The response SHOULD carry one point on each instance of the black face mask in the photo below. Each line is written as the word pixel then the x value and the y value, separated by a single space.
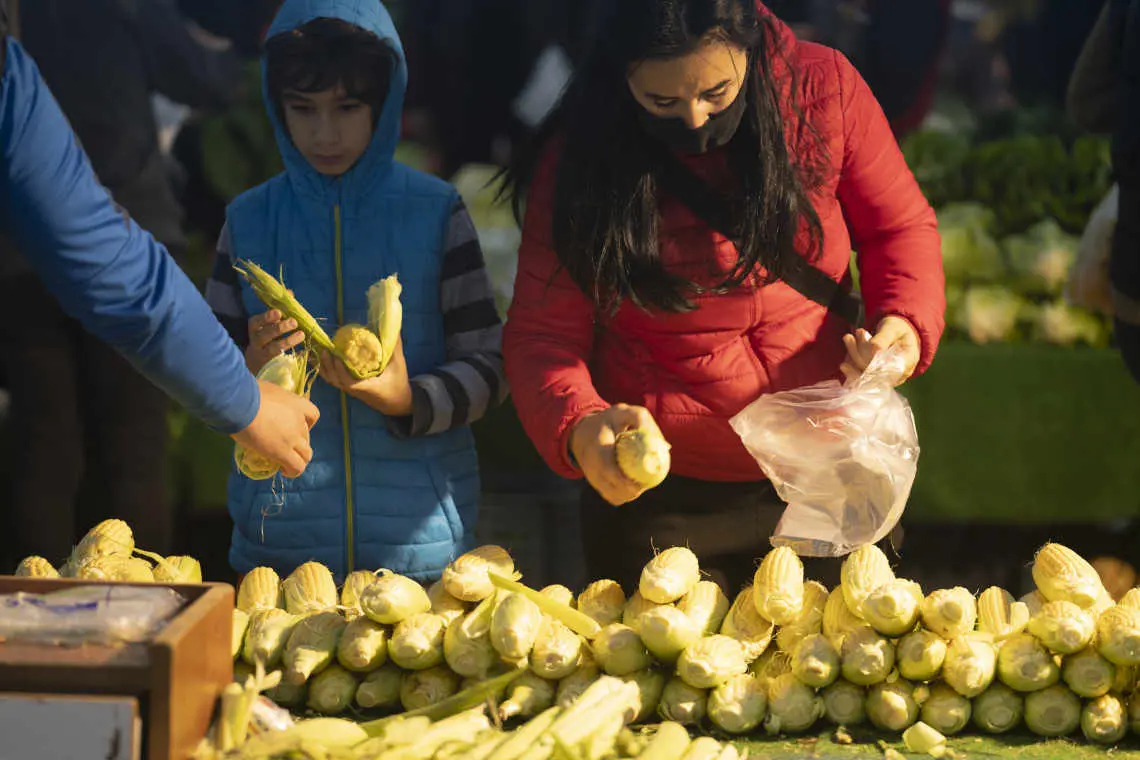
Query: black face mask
pixel 714 133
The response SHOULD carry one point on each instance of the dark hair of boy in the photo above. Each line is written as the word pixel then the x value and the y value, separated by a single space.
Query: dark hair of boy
pixel 324 53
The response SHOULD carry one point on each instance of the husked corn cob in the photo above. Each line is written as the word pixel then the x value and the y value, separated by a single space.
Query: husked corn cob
pixel 710 661
pixel 360 350
pixel 1131 599
pixel 176 569
pixel 838 619
pixel 260 589
pixel 309 588
pixel 863 571
pixel 269 631
pixel 36 567
pixel 109 538
pixel 514 626
pixel 603 600
pixel 350 592
pixel 778 586
pixel 643 456
pixel 115 568
pixel 892 608
pixel 1062 575
pixel 669 575
pixel 999 615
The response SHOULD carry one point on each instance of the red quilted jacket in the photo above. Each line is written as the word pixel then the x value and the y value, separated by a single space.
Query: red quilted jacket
pixel 694 371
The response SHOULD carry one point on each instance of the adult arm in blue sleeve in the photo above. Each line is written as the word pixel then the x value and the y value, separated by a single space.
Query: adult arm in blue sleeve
pixel 105 271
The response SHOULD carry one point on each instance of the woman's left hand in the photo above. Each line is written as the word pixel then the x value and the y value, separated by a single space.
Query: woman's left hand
pixel 891 331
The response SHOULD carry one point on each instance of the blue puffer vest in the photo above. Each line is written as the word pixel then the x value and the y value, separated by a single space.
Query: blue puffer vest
pixel 368 499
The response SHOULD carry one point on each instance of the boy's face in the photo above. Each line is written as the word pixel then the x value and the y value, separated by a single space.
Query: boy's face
pixel 330 129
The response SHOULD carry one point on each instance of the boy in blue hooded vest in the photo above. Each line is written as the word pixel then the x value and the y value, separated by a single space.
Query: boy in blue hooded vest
pixel 394 480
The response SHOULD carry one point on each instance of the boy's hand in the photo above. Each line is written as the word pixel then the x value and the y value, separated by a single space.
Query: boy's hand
pixel 390 393
pixel 270 336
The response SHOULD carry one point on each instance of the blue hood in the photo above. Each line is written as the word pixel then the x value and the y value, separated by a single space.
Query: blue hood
pixel 372 16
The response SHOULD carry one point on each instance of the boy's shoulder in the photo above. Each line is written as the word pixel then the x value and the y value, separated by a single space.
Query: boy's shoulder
pixel 254 196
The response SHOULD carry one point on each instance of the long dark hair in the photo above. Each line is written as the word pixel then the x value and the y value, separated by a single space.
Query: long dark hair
pixel 605 217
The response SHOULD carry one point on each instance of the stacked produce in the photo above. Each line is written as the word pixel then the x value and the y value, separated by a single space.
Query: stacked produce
pixel 108 553
pixel 781 657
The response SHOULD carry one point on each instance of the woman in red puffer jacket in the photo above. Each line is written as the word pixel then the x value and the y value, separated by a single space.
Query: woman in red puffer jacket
pixel 638 304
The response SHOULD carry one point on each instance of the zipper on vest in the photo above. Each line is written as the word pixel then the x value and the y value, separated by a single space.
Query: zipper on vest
pixel 350 538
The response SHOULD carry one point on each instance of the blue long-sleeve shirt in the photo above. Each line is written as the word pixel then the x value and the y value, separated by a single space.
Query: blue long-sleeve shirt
pixel 107 272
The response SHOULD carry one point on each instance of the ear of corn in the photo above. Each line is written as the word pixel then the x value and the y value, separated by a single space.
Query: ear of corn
pixel 683 703
pixel 1131 599
pixel 417 642
pixel 843 703
pixel 237 631
pixel 999 615
pixel 808 622
pixel 838 619
pixel 1023 664
pixel 891 705
pixel 745 624
pixel 350 592
pixel 386 315
pixel 925 739
pixel 363 645
pixel 557 650
pixel 1054 711
pixel 514 626
pixel 1063 627
pixel 312 645
pixel 738 705
pixel 637 606
pixel 950 612
pixel 669 575
pixel 970 665
pixel 269 631
pixel 1062 575
pixel 290 371
pixel 574 685
pixel 36 567
pixel 272 292
pixel 619 650
pixel 706 605
pixel 815 661
pixel 1118 635
pixel 393 597
pixel 572 618
pixel 109 538
pixel 864 570
pixel 998 709
pixel 778 586
pixel 1104 720
pixel 919 655
pixel 529 695
pixel 650 684
pixel 332 690
pixel 260 589
pixel 710 661
pixel 424 688
pixel 1087 674
pixel 309 588
pixel 115 568
pixel 360 350
pixel 642 456
pixel 603 600
pixel 868 657
pixel 467 577
pixel 792 706
pixel 666 631
pixel 892 608
pixel 559 593
pixel 467 641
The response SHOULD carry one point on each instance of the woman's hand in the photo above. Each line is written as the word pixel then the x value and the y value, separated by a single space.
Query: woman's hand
pixel 891 331
pixel 592 444
pixel 389 393
pixel 270 336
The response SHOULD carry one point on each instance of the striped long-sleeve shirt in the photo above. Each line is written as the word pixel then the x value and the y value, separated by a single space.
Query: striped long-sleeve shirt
pixel 471 379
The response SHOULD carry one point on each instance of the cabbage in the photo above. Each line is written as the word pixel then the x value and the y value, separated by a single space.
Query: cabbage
pixel 990 314
pixel 969 251
pixel 1040 259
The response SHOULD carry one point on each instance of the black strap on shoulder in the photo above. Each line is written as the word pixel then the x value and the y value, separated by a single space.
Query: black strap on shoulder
pixel 801 276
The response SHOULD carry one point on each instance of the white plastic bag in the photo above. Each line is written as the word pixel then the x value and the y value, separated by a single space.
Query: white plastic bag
pixel 1088 286
pixel 107 614
pixel 843 457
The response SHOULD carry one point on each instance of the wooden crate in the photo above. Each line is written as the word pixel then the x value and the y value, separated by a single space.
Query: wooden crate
pixel 177 676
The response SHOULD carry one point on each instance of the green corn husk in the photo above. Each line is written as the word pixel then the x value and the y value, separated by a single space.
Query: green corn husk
pixel 945 710
pixel 919 655
pixel 392 598
pixel 332 690
pixel 793 707
pixel 843 703
pixel 650 685
pixel 815 661
pixel 1104 720
pixel 1051 712
pixel 682 703
pixel 239 627
pixel 891 706
pixel 380 688
pixel 1024 664
pixel 998 709
pixel 312 646
pixel 1088 674
pixel 738 705
pixel 363 645
pixel 564 613
pixel 287 694
pixel 272 292
pixel 417 642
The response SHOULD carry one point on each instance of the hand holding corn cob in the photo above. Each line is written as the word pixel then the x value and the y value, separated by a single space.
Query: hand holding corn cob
pixel 389 393
pixel 621 452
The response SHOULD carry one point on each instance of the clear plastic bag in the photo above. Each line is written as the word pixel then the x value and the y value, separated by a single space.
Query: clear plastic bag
pixel 101 614
pixel 843 457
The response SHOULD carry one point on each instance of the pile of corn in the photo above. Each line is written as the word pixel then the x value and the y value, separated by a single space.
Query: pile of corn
pixel 782 657
pixel 108 553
